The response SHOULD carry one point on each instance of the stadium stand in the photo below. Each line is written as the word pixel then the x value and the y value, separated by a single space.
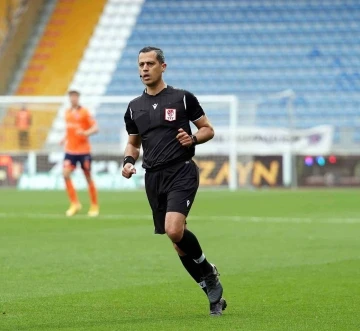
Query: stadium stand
pixel 10 10
pixel 3 21
pixel 249 48
pixel 106 45
pixel 99 63
pixel 59 51
pixel 54 63
pixel 257 47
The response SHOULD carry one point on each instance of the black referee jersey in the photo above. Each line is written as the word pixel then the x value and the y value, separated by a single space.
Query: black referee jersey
pixel 157 119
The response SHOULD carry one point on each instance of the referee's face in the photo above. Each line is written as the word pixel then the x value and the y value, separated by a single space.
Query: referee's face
pixel 150 69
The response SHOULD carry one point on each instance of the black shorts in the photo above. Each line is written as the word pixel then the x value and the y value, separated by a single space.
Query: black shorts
pixel 171 189
pixel 71 160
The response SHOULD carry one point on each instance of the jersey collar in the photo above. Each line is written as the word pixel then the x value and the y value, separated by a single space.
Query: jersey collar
pixel 77 108
pixel 155 95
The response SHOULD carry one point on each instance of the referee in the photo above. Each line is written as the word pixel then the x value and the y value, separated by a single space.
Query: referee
pixel 159 121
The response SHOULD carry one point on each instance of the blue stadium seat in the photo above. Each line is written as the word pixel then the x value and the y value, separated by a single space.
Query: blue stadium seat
pixel 253 48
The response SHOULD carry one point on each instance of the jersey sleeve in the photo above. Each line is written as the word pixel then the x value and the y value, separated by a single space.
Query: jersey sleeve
pixel 89 119
pixel 193 107
pixel 130 125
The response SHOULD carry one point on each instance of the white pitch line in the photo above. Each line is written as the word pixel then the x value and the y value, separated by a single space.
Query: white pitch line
pixel 299 220
pixel 228 218
pixel 78 216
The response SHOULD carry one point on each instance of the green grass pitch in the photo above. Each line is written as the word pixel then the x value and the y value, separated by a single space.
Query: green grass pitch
pixel 289 260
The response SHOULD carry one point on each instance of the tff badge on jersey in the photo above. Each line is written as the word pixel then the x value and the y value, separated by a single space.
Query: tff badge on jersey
pixel 170 114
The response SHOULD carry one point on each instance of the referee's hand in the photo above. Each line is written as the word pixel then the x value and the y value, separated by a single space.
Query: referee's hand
pixel 128 170
pixel 184 139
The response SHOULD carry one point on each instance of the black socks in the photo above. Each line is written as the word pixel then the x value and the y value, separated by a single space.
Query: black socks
pixel 191 247
pixel 193 269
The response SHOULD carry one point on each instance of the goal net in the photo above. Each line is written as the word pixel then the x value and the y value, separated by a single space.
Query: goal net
pixel 242 153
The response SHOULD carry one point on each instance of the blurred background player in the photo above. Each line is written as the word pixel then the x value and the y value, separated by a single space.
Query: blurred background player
pixel 79 126
pixel 23 123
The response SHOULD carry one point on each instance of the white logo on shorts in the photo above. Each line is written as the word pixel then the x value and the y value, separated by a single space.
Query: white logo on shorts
pixel 188 203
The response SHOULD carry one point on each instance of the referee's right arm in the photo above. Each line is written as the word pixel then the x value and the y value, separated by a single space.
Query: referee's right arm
pixel 133 147
pixel 132 150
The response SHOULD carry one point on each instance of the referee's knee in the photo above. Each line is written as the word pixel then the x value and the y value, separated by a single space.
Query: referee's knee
pixel 174 226
pixel 175 234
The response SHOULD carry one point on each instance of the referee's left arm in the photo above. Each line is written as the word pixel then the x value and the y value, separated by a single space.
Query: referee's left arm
pixel 205 133
pixel 197 116
pixel 205 130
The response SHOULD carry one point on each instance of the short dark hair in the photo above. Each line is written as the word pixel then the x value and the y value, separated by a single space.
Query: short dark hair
pixel 159 52
pixel 70 92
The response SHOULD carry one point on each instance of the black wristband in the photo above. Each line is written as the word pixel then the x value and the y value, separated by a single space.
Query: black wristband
pixel 128 159
pixel 194 140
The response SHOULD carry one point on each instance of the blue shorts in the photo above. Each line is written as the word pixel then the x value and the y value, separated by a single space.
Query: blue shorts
pixel 71 160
